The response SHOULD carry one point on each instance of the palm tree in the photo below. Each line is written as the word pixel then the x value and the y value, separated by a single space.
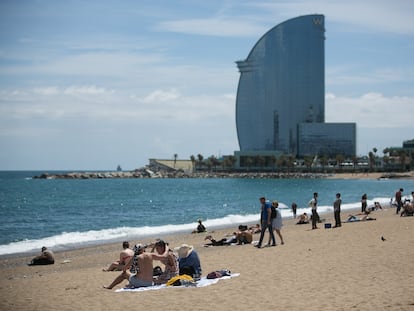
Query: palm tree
pixel 289 162
pixel 308 162
pixel 371 158
pixel 200 159
pixel 324 161
pixel 229 162
pixel 272 160
pixel 249 162
pixel 281 162
pixel 259 161
pixel 193 161
pixel 354 161
pixel 339 159
pixel 402 156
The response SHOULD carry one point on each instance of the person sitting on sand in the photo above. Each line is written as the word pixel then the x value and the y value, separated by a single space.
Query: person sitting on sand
pixel 377 205
pixel 139 269
pixel 244 237
pixel 170 262
pixel 200 228
pixel 45 258
pixel 255 229
pixel 188 261
pixel 408 209
pixel 124 257
pixel 303 219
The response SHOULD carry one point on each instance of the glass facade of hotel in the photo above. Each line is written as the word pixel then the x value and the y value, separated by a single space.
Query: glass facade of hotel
pixel 282 84
pixel 328 139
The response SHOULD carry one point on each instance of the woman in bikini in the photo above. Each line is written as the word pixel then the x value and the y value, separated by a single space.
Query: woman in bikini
pixel 170 263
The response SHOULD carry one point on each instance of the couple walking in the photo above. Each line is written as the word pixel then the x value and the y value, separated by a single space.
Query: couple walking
pixel 271 220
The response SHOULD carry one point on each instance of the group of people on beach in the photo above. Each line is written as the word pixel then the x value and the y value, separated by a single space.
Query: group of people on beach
pixel 136 265
pixel 405 208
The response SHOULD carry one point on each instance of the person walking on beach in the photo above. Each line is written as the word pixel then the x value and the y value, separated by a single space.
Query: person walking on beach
pixel 337 210
pixel 265 221
pixel 277 221
pixel 313 204
pixel 294 208
pixel 398 199
pixel 363 203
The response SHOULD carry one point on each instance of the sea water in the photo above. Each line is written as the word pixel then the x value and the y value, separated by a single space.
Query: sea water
pixel 69 213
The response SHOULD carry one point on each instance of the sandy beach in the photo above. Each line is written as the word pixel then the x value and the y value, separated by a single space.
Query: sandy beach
pixel 324 269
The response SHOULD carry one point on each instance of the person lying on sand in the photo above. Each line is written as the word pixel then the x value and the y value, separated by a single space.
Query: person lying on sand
pixel 224 241
pixel 365 217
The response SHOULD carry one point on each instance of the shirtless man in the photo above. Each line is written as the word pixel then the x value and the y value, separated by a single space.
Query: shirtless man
pixel 139 269
pixel 124 257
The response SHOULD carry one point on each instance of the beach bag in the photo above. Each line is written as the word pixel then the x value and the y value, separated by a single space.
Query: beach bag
pixel 218 274
pixel 179 280
pixel 157 271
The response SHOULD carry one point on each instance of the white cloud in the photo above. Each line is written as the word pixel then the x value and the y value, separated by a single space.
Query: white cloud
pixel 371 110
pixel 159 96
pixel 86 90
pixel 358 16
pixel 52 90
pixel 229 27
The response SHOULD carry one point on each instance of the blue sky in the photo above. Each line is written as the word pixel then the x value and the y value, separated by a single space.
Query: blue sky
pixel 88 85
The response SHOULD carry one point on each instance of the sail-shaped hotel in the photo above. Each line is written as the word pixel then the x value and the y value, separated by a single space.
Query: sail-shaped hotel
pixel 280 105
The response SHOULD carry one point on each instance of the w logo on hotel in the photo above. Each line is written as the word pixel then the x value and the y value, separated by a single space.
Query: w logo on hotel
pixel 317 21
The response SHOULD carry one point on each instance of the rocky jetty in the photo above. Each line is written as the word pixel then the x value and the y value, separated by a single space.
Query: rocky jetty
pixel 147 173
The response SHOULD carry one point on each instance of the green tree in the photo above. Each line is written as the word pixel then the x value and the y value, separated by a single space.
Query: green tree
pixel 403 156
pixel 249 162
pixel 339 159
pixel 193 162
pixel 200 160
pixel 324 161
pixel 272 160
pixel 371 158
pixel 308 160
pixel 289 162
pixel 259 161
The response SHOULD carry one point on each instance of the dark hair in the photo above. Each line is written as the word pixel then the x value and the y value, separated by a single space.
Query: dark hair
pixel 125 244
pixel 160 243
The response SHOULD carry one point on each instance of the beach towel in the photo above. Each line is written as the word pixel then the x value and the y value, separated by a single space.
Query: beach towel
pixel 201 283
